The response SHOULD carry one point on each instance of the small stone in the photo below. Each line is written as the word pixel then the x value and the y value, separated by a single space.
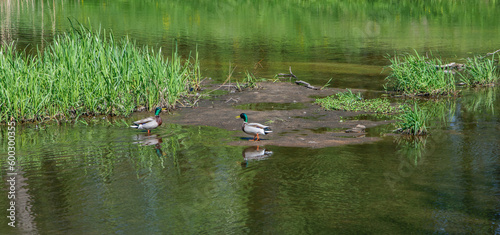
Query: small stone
pixel 358 129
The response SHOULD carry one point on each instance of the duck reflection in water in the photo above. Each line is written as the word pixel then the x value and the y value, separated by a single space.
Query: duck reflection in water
pixel 254 153
pixel 146 140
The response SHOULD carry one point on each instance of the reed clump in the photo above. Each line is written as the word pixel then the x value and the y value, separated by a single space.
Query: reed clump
pixel 84 72
pixel 480 71
pixel 413 121
pixel 419 75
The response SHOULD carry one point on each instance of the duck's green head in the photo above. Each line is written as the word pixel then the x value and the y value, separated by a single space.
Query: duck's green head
pixel 158 111
pixel 243 116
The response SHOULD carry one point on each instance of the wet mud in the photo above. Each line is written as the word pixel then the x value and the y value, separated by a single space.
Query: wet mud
pixel 287 108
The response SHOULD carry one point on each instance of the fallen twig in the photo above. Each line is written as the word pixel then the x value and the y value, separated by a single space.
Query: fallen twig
pixel 286 75
pixel 491 53
pixel 450 66
pixel 300 82
pixel 258 64
pixel 235 100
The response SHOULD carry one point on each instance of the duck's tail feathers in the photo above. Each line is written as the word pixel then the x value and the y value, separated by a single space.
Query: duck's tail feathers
pixel 136 126
pixel 267 130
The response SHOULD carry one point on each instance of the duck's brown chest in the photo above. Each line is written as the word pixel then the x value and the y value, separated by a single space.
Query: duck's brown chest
pixel 158 120
pixel 243 127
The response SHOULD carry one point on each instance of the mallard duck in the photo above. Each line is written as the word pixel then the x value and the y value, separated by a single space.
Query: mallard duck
pixel 253 128
pixel 150 122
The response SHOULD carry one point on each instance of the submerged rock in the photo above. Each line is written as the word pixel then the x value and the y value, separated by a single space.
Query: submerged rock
pixel 358 129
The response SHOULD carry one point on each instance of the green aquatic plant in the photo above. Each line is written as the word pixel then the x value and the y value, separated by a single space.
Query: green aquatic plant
pixel 84 72
pixel 480 71
pixel 250 80
pixel 419 75
pixel 349 101
pixel 412 121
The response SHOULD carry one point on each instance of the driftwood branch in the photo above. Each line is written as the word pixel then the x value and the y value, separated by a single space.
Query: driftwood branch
pixel 492 53
pixel 306 85
pixel 231 99
pixel 298 82
pixel 450 66
pixel 489 54
pixel 286 75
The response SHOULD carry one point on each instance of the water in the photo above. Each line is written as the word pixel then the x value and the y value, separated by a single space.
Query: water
pixel 345 41
pixel 104 179
pixel 115 180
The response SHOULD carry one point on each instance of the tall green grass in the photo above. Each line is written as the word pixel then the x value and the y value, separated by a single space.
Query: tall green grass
pixel 86 72
pixel 413 121
pixel 417 75
pixel 480 71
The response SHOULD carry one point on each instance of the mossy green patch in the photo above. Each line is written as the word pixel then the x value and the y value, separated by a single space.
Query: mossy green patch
pixel 348 101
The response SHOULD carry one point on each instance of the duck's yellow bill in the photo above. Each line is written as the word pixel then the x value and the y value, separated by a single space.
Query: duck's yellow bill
pixel 238 117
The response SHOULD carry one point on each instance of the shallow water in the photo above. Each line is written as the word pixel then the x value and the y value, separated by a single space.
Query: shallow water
pixel 183 179
pixel 319 40
pixel 102 178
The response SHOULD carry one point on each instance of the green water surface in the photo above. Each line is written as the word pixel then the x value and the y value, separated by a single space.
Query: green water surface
pixel 99 178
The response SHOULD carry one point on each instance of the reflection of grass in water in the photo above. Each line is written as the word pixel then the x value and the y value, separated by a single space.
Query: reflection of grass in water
pixel 483 100
pixel 195 167
pixel 430 113
pixel 413 147
pixel 103 147
pixel 439 112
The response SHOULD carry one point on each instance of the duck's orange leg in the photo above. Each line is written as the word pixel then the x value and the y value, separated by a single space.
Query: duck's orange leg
pixel 255 136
